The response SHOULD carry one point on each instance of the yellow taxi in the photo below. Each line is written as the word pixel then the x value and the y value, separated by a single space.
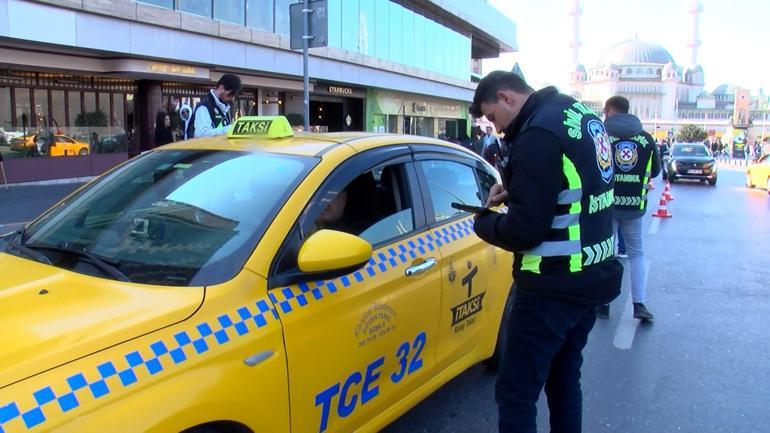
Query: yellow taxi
pixel 62 145
pixel 67 146
pixel 255 282
pixel 758 174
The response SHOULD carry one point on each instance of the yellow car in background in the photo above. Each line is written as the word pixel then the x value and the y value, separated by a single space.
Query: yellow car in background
pixel 255 282
pixel 758 174
pixel 67 146
pixel 62 145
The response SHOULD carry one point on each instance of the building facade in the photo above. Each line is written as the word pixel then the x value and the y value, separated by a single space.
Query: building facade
pixel 96 73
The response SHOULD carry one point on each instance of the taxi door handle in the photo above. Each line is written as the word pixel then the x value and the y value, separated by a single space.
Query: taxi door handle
pixel 258 358
pixel 422 267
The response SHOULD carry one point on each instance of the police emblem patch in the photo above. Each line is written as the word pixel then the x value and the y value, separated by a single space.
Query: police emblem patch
pixel 626 155
pixel 603 149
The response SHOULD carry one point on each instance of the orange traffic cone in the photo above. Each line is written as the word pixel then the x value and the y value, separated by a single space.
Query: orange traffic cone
pixel 650 185
pixel 662 210
pixel 667 192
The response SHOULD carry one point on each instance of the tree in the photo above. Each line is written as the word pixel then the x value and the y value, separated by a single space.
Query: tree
pixel 94 118
pixel 691 134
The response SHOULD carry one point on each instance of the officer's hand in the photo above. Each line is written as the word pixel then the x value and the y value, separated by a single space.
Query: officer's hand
pixel 497 195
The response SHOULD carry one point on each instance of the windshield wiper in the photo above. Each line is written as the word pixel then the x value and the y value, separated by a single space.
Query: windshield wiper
pixel 29 252
pixel 100 263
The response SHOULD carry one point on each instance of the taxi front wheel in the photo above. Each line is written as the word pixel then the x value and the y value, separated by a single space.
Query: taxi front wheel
pixel 494 362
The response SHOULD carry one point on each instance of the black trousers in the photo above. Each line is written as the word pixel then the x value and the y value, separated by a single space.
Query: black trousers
pixel 545 343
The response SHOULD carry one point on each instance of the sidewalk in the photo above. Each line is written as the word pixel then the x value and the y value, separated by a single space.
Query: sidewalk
pixel 22 203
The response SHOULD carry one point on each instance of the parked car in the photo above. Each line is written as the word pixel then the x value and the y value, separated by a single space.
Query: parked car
pixel 7 136
pixel 758 174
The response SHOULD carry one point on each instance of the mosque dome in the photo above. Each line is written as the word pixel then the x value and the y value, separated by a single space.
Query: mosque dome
pixel 580 68
pixel 634 51
pixel 726 89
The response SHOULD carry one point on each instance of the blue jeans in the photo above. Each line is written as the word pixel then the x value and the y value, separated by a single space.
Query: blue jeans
pixel 621 242
pixel 632 235
pixel 545 343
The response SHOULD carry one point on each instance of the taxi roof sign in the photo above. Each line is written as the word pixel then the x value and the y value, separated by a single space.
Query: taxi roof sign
pixel 260 126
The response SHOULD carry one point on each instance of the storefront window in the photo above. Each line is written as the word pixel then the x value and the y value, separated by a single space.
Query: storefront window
pixel 59 117
pixel 393 124
pixel 23 108
pixel 104 105
pixel 6 121
pixel 41 107
pixel 89 102
pixel 423 126
pixel 73 102
pixel 230 10
pixel 198 7
pixel 259 14
pixel 118 110
pixel 282 16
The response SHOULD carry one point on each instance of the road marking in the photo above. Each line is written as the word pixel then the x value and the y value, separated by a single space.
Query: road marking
pixel 654 226
pixel 624 334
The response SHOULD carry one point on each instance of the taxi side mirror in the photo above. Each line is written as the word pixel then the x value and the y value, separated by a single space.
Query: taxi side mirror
pixel 330 250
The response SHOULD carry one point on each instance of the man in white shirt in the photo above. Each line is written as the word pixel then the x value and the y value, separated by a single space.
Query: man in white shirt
pixel 212 115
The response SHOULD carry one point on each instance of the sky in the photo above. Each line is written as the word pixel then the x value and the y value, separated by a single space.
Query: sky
pixel 735 37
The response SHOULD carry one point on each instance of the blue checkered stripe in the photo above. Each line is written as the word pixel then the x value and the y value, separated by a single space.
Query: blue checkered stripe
pixel 116 375
pixel 292 298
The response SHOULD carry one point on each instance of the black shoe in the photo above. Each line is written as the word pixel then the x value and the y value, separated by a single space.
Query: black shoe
pixel 641 312
pixel 603 311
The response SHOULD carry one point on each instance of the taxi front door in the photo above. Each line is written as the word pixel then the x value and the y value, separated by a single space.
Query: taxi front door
pixel 361 343
pixel 472 294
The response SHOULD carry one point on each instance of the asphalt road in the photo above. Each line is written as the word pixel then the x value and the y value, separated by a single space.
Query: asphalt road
pixel 21 204
pixel 702 367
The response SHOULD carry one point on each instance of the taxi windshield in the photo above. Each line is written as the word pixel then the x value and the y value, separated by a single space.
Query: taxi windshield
pixel 690 150
pixel 174 217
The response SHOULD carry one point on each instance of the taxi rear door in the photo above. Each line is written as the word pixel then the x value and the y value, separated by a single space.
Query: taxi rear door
pixel 475 281
pixel 357 344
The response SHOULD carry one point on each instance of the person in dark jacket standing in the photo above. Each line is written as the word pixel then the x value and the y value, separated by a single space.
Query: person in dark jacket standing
pixel 636 161
pixel 559 194
pixel 163 132
pixel 212 115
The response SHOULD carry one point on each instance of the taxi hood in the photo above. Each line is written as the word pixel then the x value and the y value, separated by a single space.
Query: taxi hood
pixel 51 316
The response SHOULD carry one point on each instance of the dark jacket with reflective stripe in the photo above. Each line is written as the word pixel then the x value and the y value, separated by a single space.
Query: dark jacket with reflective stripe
pixel 636 160
pixel 559 179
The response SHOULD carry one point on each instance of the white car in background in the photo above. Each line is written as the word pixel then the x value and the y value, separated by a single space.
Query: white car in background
pixel 7 136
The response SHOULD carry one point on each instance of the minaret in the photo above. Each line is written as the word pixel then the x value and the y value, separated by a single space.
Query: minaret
pixel 695 11
pixel 575 44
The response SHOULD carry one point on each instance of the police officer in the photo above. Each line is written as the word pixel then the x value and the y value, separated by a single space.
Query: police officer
pixel 212 115
pixel 559 227
pixel 636 161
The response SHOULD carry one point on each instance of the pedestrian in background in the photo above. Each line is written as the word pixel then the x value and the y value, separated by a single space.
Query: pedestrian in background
pixel 559 189
pixel 163 132
pixel 94 145
pixel 636 162
pixel 491 150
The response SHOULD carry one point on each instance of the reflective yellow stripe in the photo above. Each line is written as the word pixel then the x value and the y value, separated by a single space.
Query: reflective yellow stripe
pixel 644 184
pixel 573 180
pixel 531 263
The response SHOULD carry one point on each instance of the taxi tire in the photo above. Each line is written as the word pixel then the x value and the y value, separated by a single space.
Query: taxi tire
pixel 493 363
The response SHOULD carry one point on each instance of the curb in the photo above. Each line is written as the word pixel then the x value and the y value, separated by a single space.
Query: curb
pixel 49 182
